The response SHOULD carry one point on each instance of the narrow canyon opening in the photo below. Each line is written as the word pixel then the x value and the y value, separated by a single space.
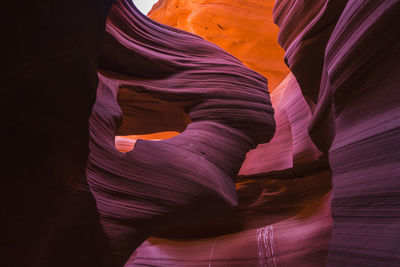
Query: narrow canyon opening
pixel 147 117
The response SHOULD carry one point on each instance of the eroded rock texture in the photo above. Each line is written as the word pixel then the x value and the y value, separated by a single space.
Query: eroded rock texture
pixel 348 103
pixel 339 107
pixel 243 28
pixel 182 180
pixel 345 56
pixel 283 214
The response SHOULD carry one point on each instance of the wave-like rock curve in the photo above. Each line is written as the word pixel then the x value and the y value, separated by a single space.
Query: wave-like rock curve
pixel 243 28
pixel 161 183
pixel 345 56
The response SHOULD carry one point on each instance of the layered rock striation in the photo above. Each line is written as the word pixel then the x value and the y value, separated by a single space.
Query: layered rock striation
pixel 201 197
pixel 283 214
pixel 283 186
pixel 334 109
pixel 344 55
pixel 243 28
pixel 191 176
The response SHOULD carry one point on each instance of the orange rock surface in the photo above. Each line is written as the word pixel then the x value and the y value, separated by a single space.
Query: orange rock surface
pixel 243 28
pixel 127 143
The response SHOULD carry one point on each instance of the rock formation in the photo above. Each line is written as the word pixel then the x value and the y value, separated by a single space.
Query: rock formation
pixel 190 176
pixel 200 197
pixel 243 28
pixel 283 214
pixel 282 185
pixel 345 56
pixel 330 49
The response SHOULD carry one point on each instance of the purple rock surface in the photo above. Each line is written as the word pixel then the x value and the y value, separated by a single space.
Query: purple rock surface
pixel 226 191
pixel 355 88
pixel 190 176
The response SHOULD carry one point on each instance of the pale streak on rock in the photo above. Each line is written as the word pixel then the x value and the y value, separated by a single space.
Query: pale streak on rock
pixel 266 246
pixel 212 252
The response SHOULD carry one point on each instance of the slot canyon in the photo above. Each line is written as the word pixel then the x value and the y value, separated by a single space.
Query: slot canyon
pixel 205 133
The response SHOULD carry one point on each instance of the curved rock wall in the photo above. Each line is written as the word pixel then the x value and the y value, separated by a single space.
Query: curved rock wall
pixel 356 118
pixel 283 214
pixel 187 177
pixel 331 51
pixel 283 186
pixel 243 28
pixel 344 91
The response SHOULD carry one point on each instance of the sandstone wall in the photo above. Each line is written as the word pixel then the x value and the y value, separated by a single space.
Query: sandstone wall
pixel 243 28
pixel 345 56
